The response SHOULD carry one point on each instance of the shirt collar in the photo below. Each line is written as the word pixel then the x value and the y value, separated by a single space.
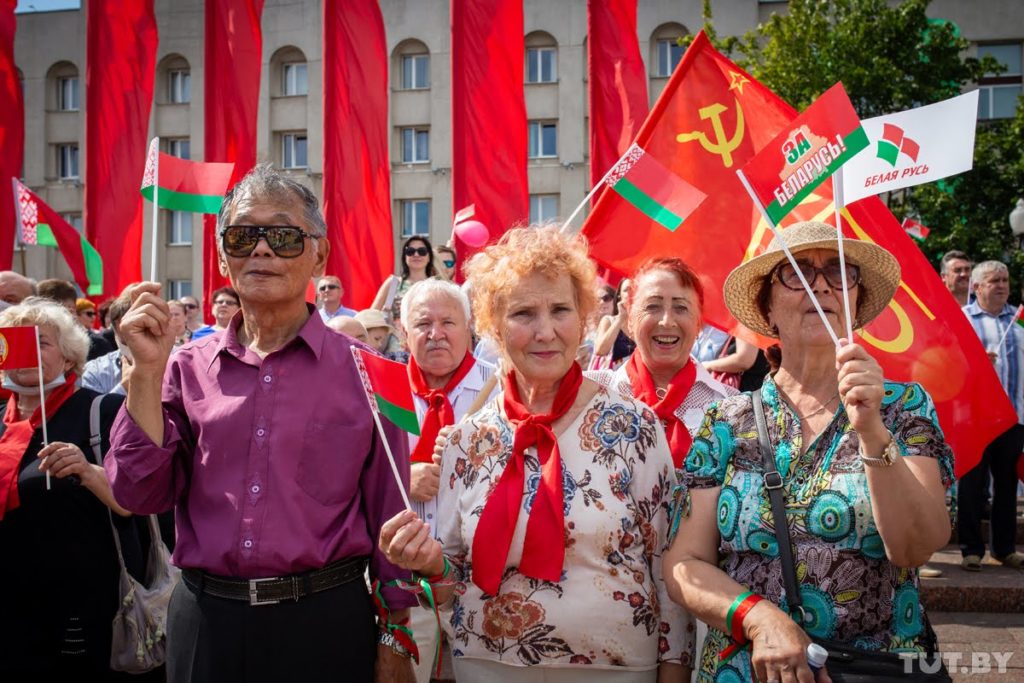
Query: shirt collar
pixel 312 334
pixel 975 310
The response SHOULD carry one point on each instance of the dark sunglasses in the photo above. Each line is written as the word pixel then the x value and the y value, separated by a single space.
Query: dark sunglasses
pixel 449 264
pixel 286 241
pixel 327 288
pixel 89 314
pixel 225 302
pixel 415 251
pixel 605 298
pixel 831 271
pixel 191 307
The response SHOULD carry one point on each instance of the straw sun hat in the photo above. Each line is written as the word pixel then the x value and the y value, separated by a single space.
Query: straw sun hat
pixel 879 274
pixel 371 318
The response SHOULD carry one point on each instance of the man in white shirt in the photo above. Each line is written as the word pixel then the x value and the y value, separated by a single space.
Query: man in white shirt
pixel 330 291
pixel 446 380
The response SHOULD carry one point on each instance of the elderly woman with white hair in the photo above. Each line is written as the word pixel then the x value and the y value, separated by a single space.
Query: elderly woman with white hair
pixel 60 567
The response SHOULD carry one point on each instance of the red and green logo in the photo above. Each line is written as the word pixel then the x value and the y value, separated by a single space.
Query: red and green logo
pixel 894 142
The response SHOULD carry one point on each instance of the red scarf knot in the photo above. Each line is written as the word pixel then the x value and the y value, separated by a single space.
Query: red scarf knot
pixel 439 409
pixel 644 389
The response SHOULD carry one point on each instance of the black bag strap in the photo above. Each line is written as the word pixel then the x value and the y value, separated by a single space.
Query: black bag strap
pixel 773 484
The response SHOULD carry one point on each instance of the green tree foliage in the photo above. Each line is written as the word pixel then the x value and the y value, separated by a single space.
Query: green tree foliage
pixel 890 58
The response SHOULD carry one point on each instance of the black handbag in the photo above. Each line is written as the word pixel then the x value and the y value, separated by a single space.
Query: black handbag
pixel 846 664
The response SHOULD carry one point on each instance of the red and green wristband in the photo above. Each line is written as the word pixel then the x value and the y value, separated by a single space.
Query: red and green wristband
pixel 738 611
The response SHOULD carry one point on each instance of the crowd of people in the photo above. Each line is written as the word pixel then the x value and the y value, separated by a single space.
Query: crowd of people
pixel 602 488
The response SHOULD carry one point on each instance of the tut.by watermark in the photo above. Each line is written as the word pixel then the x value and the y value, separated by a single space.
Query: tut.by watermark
pixel 956 662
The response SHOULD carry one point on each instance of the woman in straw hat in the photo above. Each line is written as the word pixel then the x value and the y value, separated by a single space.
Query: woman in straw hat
pixel 862 466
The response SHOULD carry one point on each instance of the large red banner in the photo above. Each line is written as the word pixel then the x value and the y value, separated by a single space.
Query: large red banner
pixel 711 118
pixel 12 130
pixel 231 88
pixel 119 70
pixel 357 172
pixel 489 146
pixel 617 82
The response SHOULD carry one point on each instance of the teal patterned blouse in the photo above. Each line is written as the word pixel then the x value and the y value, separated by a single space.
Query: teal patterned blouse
pixel 850 590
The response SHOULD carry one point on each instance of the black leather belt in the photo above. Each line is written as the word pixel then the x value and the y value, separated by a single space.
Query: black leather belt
pixel 274 589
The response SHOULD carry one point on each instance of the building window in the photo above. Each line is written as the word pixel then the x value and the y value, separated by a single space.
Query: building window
pixel 543 207
pixel 541 65
pixel 74 220
pixel 179 86
pixel 67 93
pixel 293 150
pixel 179 288
pixel 997 97
pixel 180 147
pixel 67 162
pixel 415 217
pixel 543 139
pixel 415 72
pixel 415 146
pixel 669 54
pixel 180 232
pixel 294 79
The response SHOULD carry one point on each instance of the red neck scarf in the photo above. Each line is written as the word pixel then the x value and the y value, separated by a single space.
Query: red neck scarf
pixel 544 546
pixel 439 409
pixel 679 439
pixel 17 436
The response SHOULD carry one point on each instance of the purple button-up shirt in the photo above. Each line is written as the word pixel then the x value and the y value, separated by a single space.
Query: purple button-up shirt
pixel 273 465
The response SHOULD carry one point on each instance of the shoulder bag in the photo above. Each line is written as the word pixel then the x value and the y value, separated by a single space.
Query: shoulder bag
pixel 846 664
pixel 139 642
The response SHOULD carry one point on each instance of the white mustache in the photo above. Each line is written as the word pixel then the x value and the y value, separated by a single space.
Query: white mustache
pixel 433 346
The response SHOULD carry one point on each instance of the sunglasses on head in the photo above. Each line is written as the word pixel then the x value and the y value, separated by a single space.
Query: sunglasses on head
pixel 327 288
pixel 416 251
pixel 831 271
pixel 286 241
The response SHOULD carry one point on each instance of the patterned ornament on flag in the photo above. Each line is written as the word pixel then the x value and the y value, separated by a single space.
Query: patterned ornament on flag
pixel 29 216
pixel 148 177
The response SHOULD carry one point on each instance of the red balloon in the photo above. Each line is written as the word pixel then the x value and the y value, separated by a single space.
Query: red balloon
pixel 473 233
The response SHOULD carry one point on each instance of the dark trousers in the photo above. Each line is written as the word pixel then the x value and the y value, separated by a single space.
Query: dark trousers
pixel 327 636
pixel 999 460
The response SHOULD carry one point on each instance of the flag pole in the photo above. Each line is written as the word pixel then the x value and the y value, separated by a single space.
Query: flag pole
pixel 1006 332
pixel 42 400
pixel 837 200
pixel 590 195
pixel 789 255
pixel 17 233
pixel 156 210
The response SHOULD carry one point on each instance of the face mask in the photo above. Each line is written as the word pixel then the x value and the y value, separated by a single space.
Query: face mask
pixel 10 385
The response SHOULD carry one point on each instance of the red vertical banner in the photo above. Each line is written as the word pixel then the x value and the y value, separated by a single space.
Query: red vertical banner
pixel 357 172
pixel 489 114
pixel 12 130
pixel 617 83
pixel 120 65
pixel 231 89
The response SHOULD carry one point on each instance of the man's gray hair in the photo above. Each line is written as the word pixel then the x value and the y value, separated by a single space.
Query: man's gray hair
pixel 952 255
pixel 433 286
pixel 986 268
pixel 266 182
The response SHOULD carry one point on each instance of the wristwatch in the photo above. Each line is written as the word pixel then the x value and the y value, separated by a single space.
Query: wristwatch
pixel 887 458
pixel 388 639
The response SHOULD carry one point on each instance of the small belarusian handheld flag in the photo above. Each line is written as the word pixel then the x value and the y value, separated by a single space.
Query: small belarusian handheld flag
pixel 18 348
pixel 1018 317
pixel 39 224
pixel 653 189
pixel 185 185
pixel 387 387
pixel 913 147
pixel 915 229
pixel 807 151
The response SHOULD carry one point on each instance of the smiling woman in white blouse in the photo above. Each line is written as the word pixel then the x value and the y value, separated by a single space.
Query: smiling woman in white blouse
pixel 553 497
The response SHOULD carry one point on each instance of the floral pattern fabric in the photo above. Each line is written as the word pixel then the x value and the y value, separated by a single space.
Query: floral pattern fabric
pixel 849 589
pixel 610 609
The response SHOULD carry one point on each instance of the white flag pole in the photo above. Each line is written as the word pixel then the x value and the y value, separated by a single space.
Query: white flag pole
pixel 837 199
pixel 1006 332
pixel 156 210
pixel 789 255
pixel 380 429
pixel 590 195
pixel 42 400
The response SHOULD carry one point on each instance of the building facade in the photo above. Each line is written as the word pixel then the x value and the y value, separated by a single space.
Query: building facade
pixel 50 53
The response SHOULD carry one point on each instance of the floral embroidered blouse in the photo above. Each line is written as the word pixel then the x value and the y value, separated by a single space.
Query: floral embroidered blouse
pixel 610 609
pixel 850 591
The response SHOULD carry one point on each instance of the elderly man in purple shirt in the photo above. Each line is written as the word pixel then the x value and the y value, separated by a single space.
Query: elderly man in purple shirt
pixel 261 440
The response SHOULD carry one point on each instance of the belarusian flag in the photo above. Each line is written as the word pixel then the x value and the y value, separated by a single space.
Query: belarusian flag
pixel 39 224
pixel 913 147
pixel 387 385
pixel 18 348
pixel 185 185
pixel 659 193
pixel 807 151
pixel 1018 317
pixel 915 229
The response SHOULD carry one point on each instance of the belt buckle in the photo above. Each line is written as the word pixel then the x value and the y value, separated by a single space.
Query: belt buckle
pixel 772 480
pixel 254 599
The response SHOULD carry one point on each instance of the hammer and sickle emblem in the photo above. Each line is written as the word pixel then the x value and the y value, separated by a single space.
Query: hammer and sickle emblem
pixel 723 145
